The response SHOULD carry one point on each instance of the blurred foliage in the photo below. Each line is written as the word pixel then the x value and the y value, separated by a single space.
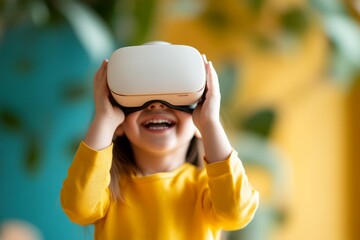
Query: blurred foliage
pixel 262 42
pixel 131 23
pixel 353 7
pixel 143 13
pixel 216 19
pixel 130 20
pixel 41 24
pixel 24 65
pixel 75 92
pixel 255 5
pixel 14 123
pixel 10 120
pixel 341 24
pixel 260 123
pixel 229 76
pixel 295 21
pixel 33 153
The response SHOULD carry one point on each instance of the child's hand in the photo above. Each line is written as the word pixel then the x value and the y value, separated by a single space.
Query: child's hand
pixel 208 111
pixel 107 117
pixel 104 109
pixel 206 117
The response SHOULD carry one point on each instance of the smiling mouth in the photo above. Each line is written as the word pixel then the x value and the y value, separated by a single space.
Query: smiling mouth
pixel 158 124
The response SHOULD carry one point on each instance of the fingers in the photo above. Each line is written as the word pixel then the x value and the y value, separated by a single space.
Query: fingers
pixel 204 58
pixel 103 68
pixel 100 78
pixel 212 82
pixel 100 72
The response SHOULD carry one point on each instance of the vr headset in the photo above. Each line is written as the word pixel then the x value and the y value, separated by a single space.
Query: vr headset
pixel 174 75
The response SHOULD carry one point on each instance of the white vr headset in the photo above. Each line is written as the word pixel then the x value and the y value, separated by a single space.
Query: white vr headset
pixel 174 75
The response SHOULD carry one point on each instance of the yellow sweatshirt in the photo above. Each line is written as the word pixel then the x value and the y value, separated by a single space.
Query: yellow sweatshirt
pixel 186 203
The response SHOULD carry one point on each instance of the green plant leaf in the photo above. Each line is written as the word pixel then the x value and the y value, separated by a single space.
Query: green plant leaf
pixel 33 154
pixel 260 123
pixel 263 42
pixel 10 120
pixel 255 5
pixel 143 12
pixel 295 21
pixel 216 19
pixel 227 81
pixel 76 91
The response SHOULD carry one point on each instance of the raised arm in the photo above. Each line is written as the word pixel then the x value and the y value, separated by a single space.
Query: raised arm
pixel 85 195
pixel 207 119
pixel 228 199
pixel 107 117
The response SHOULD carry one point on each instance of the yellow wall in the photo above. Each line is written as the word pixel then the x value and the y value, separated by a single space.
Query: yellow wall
pixel 311 133
pixel 312 120
pixel 353 163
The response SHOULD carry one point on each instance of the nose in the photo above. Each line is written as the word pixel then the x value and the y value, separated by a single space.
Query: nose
pixel 156 106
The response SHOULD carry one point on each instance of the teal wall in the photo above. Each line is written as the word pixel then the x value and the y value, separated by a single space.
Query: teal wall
pixel 45 108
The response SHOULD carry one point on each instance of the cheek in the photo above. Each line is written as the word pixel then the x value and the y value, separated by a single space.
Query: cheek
pixel 187 123
pixel 130 126
pixel 190 124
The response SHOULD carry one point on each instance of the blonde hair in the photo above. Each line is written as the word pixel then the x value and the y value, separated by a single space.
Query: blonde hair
pixel 124 165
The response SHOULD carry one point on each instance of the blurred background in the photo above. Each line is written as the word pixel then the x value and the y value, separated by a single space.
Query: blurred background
pixel 290 82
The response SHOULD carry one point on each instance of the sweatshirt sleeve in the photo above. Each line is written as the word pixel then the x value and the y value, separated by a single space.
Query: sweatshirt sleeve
pixel 85 195
pixel 229 201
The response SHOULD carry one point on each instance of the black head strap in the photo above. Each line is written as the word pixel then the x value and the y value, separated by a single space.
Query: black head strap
pixel 185 108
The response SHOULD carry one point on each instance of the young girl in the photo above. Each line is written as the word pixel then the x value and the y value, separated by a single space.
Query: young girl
pixel 134 176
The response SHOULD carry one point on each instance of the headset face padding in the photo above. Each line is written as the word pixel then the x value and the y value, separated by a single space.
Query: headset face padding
pixel 172 74
pixel 186 108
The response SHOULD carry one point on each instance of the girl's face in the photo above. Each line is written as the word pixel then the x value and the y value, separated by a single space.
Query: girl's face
pixel 159 129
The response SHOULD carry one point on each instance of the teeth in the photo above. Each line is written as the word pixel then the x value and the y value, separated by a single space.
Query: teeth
pixel 158 128
pixel 158 121
pixel 158 124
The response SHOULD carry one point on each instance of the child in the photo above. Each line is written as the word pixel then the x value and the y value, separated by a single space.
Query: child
pixel 132 178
